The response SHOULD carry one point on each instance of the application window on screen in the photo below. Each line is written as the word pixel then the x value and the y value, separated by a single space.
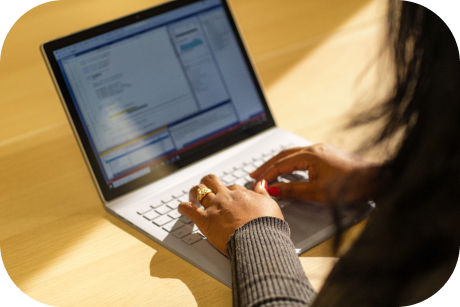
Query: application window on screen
pixel 159 91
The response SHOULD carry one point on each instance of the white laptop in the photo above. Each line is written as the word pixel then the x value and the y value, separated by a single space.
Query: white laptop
pixel 160 98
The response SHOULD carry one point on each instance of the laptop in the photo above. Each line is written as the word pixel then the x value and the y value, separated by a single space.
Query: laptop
pixel 162 97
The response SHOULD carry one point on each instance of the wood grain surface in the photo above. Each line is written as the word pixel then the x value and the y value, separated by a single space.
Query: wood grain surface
pixel 316 60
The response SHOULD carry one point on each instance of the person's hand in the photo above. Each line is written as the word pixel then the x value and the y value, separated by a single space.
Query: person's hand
pixel 328 167
pixel 227 208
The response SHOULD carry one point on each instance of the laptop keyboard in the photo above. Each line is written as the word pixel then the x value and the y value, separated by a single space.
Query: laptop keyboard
pixel 163 213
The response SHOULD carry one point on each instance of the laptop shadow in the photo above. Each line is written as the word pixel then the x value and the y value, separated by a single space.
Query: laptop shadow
pixel 206 290
pixel 166 266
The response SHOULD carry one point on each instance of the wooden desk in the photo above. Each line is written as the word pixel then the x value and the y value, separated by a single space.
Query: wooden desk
pixel 58 244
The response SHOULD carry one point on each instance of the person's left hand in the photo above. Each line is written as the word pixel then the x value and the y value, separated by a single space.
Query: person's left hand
pixel 227 208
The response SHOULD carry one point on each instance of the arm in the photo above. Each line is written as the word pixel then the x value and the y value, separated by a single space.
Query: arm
pixel 265 267
pixel 266 270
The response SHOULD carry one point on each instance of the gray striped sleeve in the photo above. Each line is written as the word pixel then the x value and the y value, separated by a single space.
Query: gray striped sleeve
pixel 266 270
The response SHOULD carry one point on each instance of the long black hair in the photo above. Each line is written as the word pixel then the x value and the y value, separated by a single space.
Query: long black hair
pixel 411 244
pixel 426 69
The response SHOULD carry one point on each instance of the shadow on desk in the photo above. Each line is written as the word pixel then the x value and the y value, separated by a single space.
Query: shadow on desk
pixel 164 264
pixel 206 290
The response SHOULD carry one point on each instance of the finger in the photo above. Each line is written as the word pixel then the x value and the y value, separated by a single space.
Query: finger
pixel 297 190
pixel 197 215
pixel 270 162
pixel 296 161
pixel 205 201
pixel 261 188
pixel 235 187
pixel 213 182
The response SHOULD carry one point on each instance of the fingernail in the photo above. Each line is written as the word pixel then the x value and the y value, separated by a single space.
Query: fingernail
pixel 263 183
pixel 273 191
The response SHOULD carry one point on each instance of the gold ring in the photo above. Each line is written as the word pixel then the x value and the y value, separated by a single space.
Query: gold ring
pixel 201 193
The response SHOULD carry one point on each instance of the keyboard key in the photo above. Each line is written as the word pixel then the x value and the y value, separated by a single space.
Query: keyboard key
pixel 240 182
pixel 287 178
pixel 302 175
pixel 155 203
pixel 144 209
pixel 249 178
pixel 151 215
pixel 199 232
pixel 228 179
pixel 239 166
pixel 161 220
pixel 171 226
pixel 282 179
pixel 163 209
pixel 174 214
pixel 192 238
pixel 249 168
pixel 239 173
pixel 218 173
pixel 173 204
pixel 267 152
pixel 178 194
pixel 279 147
pixel 229 170
pixel 184 198
pixel 167 199
pixel 183 231
pixel 185 219
pixel 258 163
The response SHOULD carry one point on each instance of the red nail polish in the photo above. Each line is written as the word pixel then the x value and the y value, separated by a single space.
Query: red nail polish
pixel 273 191
pixel 264 184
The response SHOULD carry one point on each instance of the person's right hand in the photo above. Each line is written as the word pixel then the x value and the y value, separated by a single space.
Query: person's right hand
pixel 327 166
pixel 227 208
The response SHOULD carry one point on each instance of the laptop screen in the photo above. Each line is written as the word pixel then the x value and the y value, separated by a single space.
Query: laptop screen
pixel 154 95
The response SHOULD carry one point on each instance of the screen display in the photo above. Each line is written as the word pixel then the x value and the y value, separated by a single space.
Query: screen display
pixel 149 93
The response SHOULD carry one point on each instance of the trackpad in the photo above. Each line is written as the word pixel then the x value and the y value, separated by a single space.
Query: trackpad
pixel 312 223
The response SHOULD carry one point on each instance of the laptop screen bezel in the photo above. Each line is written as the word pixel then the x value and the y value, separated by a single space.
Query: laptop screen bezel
pixel 193 155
